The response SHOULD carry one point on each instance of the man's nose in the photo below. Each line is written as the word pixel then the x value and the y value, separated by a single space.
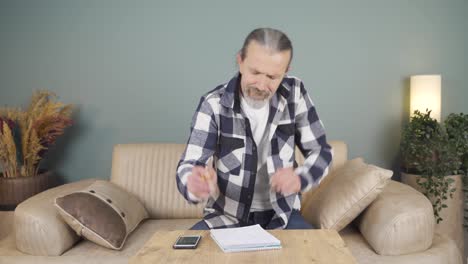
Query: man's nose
pixel 262 83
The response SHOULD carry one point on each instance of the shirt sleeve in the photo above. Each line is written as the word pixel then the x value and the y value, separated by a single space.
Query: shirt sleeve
pixel 311 140
pixel 200 147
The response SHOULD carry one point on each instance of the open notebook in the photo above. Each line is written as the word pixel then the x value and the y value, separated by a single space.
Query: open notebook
pixel 246 238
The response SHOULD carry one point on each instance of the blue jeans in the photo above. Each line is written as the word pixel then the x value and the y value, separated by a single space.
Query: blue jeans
pixel 296 221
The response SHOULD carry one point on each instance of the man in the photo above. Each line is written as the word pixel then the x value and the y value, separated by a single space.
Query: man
pixel 250 126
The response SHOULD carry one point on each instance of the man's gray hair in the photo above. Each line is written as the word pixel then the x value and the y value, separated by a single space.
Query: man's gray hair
pixel 273 39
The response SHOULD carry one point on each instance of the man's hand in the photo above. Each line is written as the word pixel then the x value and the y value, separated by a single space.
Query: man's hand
pixel 285 181
pixel 203 182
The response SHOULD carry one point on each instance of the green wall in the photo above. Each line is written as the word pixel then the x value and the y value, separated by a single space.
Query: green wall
pixel 135 69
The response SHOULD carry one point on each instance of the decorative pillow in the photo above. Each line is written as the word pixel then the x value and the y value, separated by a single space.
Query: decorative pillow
pixel 104 213
pixel 351 189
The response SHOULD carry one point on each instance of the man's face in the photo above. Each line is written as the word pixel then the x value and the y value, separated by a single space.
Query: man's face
pixel 262 72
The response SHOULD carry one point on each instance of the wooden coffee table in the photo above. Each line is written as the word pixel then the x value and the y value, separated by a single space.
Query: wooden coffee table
pixel 298 246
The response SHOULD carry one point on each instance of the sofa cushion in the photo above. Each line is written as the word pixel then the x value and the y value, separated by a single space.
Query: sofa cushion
pixel 148 171
pixel 400 221
pixel 349 191
pixel 103 213
pixel 39 229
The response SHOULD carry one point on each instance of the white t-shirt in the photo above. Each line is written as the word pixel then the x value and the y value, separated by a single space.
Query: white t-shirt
pixel 258 118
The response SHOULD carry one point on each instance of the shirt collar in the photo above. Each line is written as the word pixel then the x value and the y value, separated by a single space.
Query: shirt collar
pixel 231 98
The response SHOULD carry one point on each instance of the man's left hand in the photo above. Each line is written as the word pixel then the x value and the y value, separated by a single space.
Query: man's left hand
pixel 285 181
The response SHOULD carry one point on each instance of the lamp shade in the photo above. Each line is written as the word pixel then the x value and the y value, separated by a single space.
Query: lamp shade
pixel 426 94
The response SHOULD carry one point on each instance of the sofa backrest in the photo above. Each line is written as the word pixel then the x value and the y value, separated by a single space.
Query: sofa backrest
pixel 148 171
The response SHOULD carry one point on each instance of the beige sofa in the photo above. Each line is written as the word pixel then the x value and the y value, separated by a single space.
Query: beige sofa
pixel 36 234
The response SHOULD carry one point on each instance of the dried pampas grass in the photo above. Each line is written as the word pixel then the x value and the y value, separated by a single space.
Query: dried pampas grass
pixel 25 136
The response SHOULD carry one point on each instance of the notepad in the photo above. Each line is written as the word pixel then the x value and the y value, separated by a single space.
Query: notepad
pixel 248 238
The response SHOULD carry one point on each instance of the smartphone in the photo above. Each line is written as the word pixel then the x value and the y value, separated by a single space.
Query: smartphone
pixel 187 242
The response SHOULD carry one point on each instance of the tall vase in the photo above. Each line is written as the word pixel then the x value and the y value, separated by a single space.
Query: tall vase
pixel 452 223
pixel 15 190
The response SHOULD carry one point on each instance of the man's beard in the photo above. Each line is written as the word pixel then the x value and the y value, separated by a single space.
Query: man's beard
pixel 255 97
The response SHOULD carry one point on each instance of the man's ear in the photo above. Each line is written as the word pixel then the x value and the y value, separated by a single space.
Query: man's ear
pixel 288 69
pixel 238 59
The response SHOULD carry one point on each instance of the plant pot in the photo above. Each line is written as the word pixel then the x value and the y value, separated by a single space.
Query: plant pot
pixel 15 190
pixel 452 223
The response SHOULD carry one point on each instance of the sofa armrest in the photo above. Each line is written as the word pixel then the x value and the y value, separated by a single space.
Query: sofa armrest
pixel 39 229
pixel 400 221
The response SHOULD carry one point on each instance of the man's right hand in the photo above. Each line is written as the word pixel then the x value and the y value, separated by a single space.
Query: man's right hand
pixel 202 181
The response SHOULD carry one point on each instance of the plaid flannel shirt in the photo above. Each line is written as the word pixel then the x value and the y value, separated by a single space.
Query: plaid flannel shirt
pixel 221 130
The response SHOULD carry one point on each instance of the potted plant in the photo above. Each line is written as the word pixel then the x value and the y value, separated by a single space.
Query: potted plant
pixel 426 151
pixel 25 137
pixel 431 165
pixel 457 130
